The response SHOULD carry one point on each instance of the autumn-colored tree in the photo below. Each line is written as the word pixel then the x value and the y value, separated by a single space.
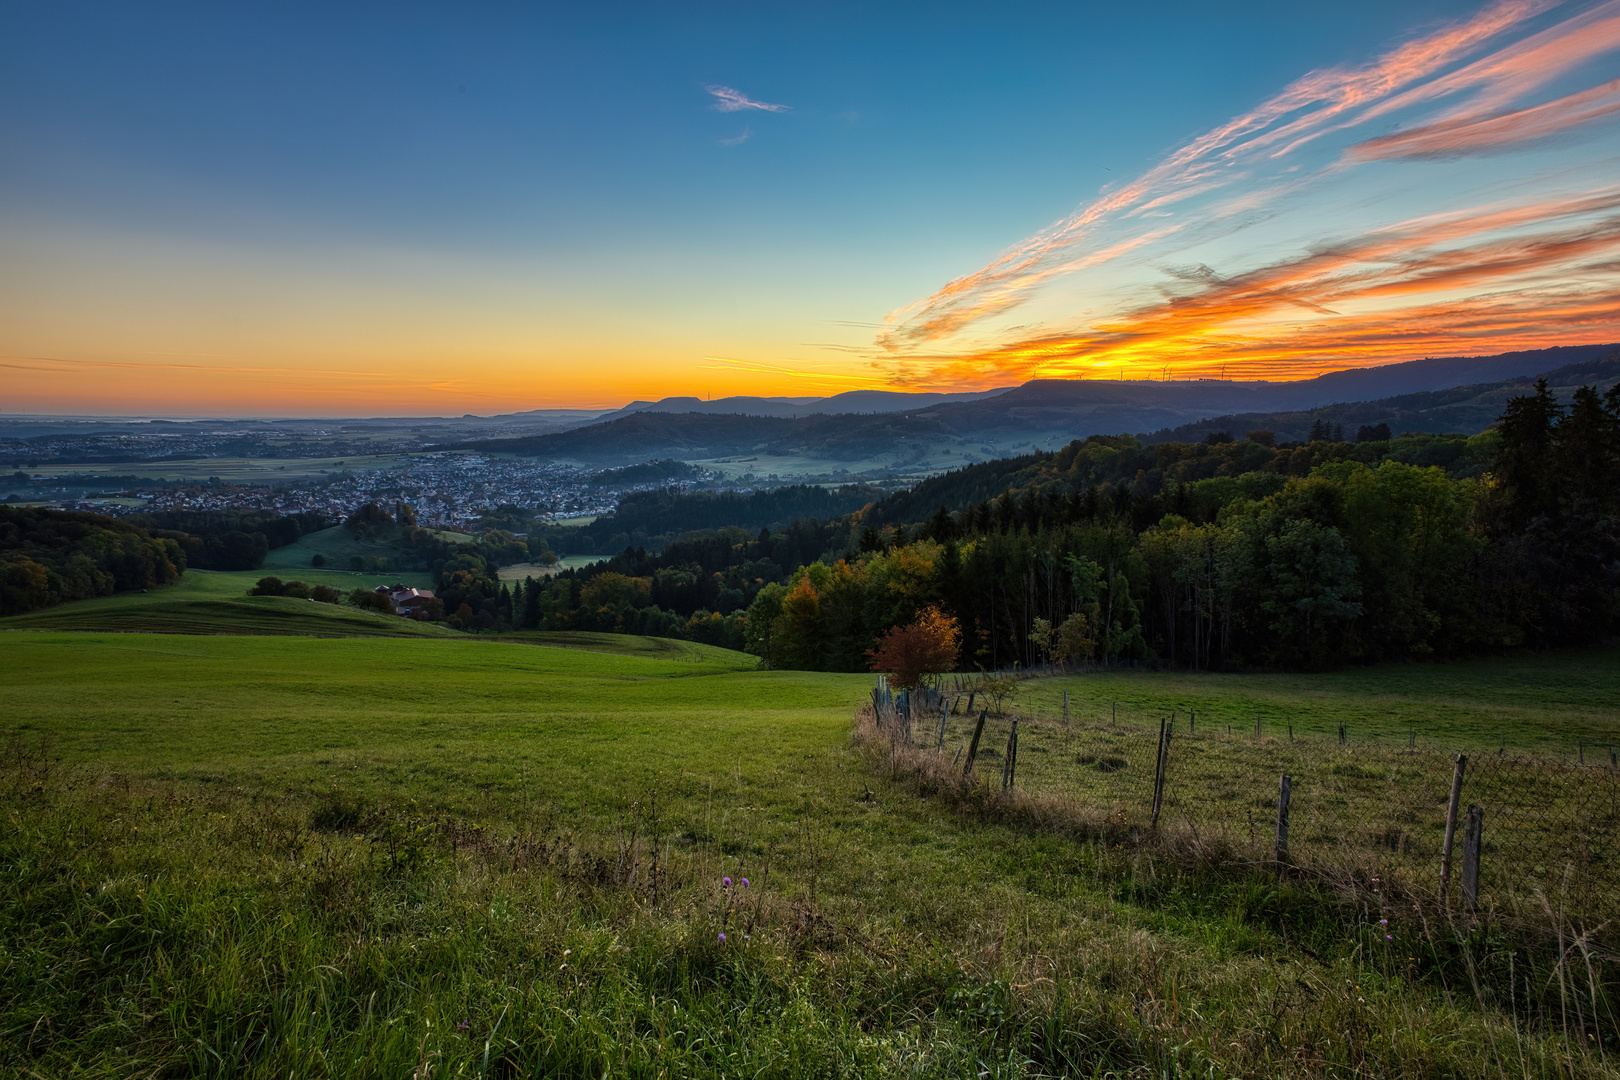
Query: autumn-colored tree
pixel 909 654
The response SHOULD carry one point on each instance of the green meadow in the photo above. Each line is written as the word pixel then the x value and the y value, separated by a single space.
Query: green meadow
pixel 337 546
pixel 216 602
pixel 1544 703
pixel 455 856
pixel 230 470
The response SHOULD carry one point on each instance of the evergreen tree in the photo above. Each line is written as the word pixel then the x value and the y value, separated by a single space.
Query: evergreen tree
pixel 1525 457
pixel 531 604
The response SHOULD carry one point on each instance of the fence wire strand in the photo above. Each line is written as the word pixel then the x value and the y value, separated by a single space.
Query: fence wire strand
pixel 1361 810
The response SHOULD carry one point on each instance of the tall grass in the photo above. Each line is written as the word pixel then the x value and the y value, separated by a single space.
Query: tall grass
pixel 156 927
pixel 276 857
pixel 1553 975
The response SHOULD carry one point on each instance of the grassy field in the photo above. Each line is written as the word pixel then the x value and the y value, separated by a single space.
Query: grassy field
pixel 1543 704
pixel 231 470
pixel 338 546
pixel 519 571
pixel 1541 740
pixel 656 648
pixel 216 602
pixel 281 856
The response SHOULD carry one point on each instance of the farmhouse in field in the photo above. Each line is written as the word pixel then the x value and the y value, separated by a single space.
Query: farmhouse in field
pixel 408 602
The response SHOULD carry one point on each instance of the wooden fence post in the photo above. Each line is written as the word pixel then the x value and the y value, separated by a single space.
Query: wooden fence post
pixel 1158 760
pixel 1470 860
pixel 1290 732
pixel 1012 762
pixel 1065 704
pixel 1451 824
pixel 1341 735
pixel 973 747
pixel 943 713
pixel 1009 768
pixel 1285 790
pixel 1167 728
pixel 1192 722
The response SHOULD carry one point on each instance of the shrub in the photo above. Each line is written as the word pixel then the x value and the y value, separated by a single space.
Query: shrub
pixel 376 601
pixel 909 654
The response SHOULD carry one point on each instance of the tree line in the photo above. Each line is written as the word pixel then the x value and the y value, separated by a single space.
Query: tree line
pixel 1222 554
pixel 228 539
pixel 50 557
pixel 697 588
pixel 652 519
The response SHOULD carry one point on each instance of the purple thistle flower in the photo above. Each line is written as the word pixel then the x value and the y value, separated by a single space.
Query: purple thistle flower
pixel 1389 937
pixel 1383 922
pixel 722 937
pixel 745 883
pixel 725 883
pixel 464 1025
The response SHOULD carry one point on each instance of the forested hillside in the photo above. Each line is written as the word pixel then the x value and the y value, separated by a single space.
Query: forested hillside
pixel 1467 408
pixel 653 518
pixel 1216 554
pixel 228 539
pixel 49 557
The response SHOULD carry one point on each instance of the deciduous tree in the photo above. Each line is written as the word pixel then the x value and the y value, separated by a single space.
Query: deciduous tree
pixel 909 654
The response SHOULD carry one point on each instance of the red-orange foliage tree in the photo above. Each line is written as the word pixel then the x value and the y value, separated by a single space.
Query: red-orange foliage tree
pixel 908 654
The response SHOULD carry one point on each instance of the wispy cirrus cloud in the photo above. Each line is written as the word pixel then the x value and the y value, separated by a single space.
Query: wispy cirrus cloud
pixel 1463 90
pixel 728 100
pixel 1541 272
pixel 1476 133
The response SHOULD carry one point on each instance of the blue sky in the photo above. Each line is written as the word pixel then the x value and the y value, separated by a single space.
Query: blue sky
pixel 482 207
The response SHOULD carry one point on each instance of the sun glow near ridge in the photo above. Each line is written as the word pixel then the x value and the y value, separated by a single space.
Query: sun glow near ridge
pixel 188 227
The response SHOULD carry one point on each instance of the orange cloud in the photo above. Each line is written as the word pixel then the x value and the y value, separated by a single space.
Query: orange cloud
pixel 1389 293
pixel 1249 322
pixel 1316 103
pixel 1480 134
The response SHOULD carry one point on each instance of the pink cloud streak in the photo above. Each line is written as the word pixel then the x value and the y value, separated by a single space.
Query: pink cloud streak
pixel 1232 172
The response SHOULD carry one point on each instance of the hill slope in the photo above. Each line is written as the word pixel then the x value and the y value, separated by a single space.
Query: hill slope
pixel 1463 409
pixel 1041 414
pixel 535 862
pixel 216 602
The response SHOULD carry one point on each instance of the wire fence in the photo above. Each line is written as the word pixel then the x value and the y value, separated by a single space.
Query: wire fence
pixel 1530 837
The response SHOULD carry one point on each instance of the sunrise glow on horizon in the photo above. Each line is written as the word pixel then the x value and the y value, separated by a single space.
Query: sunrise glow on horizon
pixel 281 210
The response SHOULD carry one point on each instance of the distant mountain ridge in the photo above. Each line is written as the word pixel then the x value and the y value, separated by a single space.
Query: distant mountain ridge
pixel 849 402
pixel 1460 409
pixel 1040 414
